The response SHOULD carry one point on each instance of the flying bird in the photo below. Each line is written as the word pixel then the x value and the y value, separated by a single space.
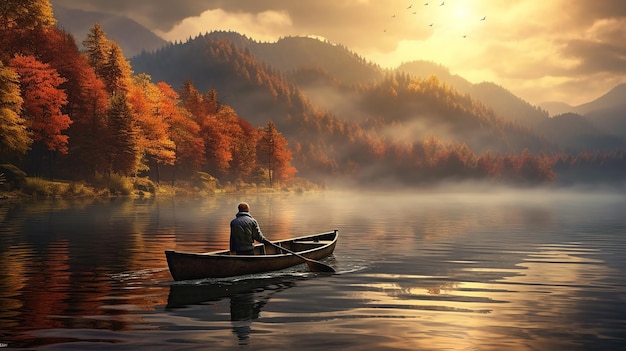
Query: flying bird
pixel 409 6
pixel 426 4
pixel 484 18
pixel 443 3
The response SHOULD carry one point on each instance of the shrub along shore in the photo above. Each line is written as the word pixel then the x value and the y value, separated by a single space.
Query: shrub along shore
pixel 117 186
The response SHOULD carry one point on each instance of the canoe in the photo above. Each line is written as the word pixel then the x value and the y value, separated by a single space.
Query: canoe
pixel 266 258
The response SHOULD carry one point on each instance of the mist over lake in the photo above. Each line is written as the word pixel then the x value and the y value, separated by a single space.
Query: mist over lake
pixel 428 270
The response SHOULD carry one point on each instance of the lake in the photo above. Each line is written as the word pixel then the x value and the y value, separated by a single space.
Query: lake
pixel 525 269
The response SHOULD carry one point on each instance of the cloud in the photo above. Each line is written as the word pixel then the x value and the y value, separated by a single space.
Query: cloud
pixel 540 50
pixel 262 26
pixel 601 48
pixel 154 14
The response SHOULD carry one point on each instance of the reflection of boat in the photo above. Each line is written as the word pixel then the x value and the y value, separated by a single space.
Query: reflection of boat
pixel 219 264
pixel 183 295
pixel 246 300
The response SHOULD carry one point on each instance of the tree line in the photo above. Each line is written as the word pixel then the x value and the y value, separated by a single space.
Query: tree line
pixel 78 114
pixel 72 114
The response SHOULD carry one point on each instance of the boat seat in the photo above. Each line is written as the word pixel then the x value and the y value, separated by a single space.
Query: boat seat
pixel 259 249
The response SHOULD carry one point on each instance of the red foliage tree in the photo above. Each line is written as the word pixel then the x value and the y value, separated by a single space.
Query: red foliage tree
pixel 43 101
pixel 184 132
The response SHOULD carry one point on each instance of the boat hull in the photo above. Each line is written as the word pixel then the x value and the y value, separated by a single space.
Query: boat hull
pixel 220 264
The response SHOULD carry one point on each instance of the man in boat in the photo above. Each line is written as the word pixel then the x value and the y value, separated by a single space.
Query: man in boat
pixel 244 229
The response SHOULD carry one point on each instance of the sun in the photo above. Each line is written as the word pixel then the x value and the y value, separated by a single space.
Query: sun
pixel 462 13
pixel 457 18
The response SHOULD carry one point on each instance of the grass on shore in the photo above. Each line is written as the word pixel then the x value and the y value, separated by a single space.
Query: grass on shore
pixel 115 185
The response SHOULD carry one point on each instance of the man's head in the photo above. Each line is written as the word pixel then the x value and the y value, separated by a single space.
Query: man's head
pixel 243 207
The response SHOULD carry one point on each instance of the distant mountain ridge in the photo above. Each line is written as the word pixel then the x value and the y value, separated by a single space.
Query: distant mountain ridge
pixel 614 99
pixel 293 54
pixel 260 90
pixel 319 68
pixel 132 37
pixel 324 73
pixel 608 111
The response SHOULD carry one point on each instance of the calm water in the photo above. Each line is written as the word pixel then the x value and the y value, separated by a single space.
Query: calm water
pixel 521 270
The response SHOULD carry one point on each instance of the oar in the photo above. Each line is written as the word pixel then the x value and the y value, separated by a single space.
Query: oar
pixel 314 265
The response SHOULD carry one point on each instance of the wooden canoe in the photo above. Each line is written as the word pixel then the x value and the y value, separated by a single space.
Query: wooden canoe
pixel 266 258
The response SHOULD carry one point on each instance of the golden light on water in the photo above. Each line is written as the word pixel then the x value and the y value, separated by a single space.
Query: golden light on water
pixel 472 312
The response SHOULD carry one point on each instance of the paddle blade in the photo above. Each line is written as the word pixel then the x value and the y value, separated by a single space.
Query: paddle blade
pixel 320 267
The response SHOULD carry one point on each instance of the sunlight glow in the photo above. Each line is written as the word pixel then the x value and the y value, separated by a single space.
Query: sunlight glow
pixel 462 13
pixel 458 20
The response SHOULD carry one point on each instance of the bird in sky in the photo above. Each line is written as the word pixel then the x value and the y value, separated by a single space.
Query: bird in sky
pixel 425 4
pixel 443 3
pixel 484 18
pixel 409 6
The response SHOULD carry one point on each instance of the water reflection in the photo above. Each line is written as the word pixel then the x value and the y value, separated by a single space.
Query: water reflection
pixel 244 309
pixel 246 299
pixel 428 272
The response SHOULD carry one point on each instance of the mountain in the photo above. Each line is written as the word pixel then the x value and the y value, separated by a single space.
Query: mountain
pixel 425 69
pixel 557 107
pixel 503 102
pixel 395 106
pixel 608 112
pixel 132 37
pixel 576 133
pixel 338 122
pixel 612 100
pixel 508 105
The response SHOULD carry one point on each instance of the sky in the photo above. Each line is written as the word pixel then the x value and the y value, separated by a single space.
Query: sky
pixel 571 51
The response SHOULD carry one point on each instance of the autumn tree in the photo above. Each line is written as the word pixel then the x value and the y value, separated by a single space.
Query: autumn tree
pixel 183 131
pixel 192 101
pixel 151 114
pixel 89 134
pixel 19 17
pixel 122 136
pixel 14 135
pixel 117 71
pixel 243 150
pixel 217 144
pixel 107 59
pixel 211 105
pixel 272 151
pixel 87 100
pixel 25 14
pixel 42 102
pixel 97 48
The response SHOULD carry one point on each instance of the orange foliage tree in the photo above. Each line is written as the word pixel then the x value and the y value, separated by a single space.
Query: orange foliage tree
pixel 25 14
pixel 272 152
pixel 183 131
pixel 152 119
pixel 42 102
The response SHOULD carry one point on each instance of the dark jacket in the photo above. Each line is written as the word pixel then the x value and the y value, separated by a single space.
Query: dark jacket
pixel 244 229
